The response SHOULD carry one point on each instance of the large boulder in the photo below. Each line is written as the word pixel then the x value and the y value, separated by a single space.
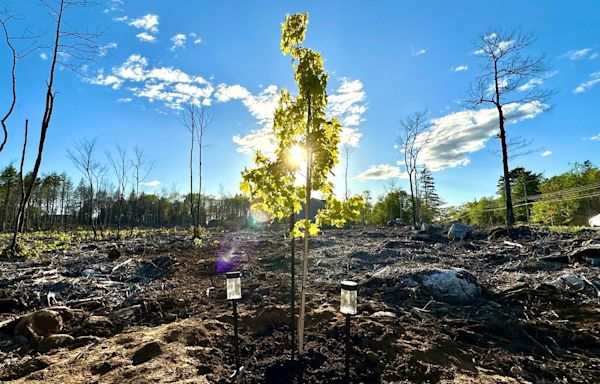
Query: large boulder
pixel 40 323
pixel 595 221
pixel 459 230
pixel 568 282
pixel 455 285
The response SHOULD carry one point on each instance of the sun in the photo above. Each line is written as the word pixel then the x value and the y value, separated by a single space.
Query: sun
pixel 297 155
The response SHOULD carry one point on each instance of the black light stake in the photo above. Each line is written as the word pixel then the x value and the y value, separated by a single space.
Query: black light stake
pixel 293 290
pixel 348 307
pixel 234 293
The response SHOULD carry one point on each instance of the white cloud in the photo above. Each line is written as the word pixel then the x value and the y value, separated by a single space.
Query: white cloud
pixel 594 55
pixel 178 41
pixel 491 40
pixel 595 138
pixel 169 85
pixel 546 153
pixel 124 100
pixel 460 68
pixel 196 39
pixel 583 87
pixel 153 183
pixel 113 6
pixel 105 49
pixel 350 136
pixel 417 52
pixel 531 83
pixel 261 107
pixel 578 54
pixel 148 23
pixel 262 139
pixel 146 37
pixel 112 81
pixel 346 104
pixel 381 172
pixel 465 132
pixel 537 81
pixel 43 56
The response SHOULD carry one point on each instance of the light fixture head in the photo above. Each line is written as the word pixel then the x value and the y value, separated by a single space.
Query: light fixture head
pixel 348 301
pixel 234 285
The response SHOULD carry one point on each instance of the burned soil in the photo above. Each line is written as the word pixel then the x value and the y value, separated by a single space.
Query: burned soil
pixel 487 309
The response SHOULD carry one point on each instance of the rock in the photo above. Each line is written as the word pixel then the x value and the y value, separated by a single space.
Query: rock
pixel 383 314
pixel 114 253
pixel 147 352
pixel 440 246
pixel 594 221
pixel 454 285
pixel 153 269
pixel 40 323
pixel 51 342
pixel 88 272
pixel 459 231
pixel 568 282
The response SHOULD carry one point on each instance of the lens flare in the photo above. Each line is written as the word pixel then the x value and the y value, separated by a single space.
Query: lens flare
pixel 297 155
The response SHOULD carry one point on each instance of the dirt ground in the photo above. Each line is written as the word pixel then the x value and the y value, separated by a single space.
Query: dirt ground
pixel 156 310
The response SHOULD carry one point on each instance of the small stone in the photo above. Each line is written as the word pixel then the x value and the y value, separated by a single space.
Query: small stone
pixel 383 314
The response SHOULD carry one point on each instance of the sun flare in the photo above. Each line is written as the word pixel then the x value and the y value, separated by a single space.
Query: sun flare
pixel 297 155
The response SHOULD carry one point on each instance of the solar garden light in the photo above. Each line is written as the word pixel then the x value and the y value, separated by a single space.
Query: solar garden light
pixel 234 293
pixel 348 300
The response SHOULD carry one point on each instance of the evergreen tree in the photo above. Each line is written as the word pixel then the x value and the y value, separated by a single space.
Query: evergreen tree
pixel 430 200
pixel 523 185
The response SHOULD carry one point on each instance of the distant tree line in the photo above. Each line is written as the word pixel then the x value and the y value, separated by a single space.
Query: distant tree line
pixel 569 198
pixel 59 203
pixel 424 207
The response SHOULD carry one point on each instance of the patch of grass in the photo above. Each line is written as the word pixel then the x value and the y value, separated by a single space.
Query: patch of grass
pixel 572 228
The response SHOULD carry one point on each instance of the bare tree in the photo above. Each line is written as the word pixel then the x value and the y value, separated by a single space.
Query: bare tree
pixel 508 76
pixel 70 48
pixel 415 135
pixel 140 174
pixel 13 73
pixel 5 18
pixel 196 119
pixel 82 156
pixel 121 168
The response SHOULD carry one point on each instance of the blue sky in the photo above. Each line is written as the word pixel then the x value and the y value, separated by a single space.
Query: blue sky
pixel 386 59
